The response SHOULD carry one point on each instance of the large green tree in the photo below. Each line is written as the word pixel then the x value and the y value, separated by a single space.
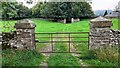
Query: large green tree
pixel 14 10
pixel 8 10
pixel 36 10
pixel 64 9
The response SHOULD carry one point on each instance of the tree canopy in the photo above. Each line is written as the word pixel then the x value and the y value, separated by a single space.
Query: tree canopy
pixel 49 9
pixel 14 10
pixel 63 9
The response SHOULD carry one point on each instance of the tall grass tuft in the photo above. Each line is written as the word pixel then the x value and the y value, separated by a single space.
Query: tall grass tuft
pixel 107 54
pixel 21 58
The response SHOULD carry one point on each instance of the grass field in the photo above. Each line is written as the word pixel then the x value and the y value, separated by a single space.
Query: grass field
pixel 61 59
pixel 49 26
pixel 82 26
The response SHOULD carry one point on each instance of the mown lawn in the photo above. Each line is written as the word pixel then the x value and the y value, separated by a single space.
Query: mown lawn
pixel 49 26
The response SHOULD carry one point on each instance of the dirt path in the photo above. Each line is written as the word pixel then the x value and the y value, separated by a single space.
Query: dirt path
pixel 47 48
pixel 72 49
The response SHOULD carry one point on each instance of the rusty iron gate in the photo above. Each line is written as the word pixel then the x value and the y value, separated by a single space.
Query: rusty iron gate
pixel 70 36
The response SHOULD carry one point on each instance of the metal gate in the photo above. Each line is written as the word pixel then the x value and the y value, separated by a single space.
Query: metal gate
pixel 50 36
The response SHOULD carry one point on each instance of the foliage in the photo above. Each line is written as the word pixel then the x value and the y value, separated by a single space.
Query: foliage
pixel 101 57
pixel 107 54
pixel 8 10
pixel 63 9
pixel 14 10
pixel 36 10
pixel 21 58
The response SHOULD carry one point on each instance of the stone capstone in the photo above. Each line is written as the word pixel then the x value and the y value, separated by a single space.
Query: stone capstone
pixel 25 24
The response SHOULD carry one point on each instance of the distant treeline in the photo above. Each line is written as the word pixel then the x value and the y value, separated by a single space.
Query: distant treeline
pixel 56 10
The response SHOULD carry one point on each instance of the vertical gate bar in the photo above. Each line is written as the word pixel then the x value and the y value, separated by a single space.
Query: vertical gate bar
pixel 69 42
pixel 88 39
pixel 52 41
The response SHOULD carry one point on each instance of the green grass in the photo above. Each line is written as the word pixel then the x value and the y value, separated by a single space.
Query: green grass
pixel 49 26
pixel 116 24
pixel 104 57
pixel 7 26
pixel 81 47
pixel 60 47
pixel 64 60
pixel 21 58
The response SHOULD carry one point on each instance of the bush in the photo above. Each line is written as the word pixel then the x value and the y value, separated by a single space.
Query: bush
pixel 109 54
pixel 21 58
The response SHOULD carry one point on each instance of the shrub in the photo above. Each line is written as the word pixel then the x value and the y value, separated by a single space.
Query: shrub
pixel 21 58
pixel 109 54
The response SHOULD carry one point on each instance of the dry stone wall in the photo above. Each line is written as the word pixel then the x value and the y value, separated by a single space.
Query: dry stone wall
pixel 8 39
pixel 101 35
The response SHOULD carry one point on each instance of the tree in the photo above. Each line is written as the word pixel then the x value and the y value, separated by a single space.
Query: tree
pixel 67 9
pixel 36 10
pixel 23 11
pixel 8 10
pixel 1 10
pixel 14 10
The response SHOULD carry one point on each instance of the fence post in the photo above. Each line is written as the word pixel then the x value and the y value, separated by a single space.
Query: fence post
pixel 25 30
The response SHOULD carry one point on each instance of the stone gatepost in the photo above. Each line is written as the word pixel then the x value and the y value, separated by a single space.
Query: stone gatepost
pixel 25 30
pixel 99 34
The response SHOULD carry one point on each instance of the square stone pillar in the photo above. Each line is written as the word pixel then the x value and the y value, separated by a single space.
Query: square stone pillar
pixel 99 34
pixel 25 30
